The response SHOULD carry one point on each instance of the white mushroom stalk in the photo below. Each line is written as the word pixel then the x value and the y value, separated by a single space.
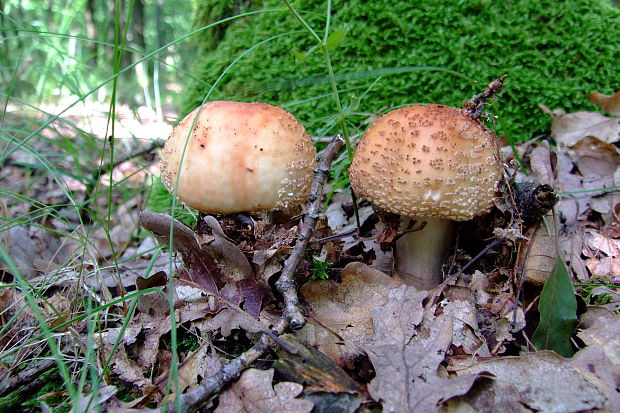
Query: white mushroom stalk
pixel 431 163
pixel 240 157
pixel 419 256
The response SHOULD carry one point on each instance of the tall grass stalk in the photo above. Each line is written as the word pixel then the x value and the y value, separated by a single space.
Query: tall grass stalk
pixel 47 331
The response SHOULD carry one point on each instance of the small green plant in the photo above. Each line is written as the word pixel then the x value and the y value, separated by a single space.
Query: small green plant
pixel 558 313
pixel 319 270
pixel 593 297
pixel 188 343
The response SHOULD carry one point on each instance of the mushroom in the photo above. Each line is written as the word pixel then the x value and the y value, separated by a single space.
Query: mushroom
pixel 432 163
pixel 239 157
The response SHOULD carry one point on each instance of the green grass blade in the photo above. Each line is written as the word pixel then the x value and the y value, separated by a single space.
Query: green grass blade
pixel 46 329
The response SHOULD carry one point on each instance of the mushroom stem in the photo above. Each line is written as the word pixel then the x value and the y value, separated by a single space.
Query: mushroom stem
pixel 419 255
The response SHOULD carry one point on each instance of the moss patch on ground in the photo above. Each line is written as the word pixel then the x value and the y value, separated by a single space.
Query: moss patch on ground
pixel 554 53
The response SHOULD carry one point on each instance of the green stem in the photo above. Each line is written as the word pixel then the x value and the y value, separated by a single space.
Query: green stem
pixel 332 80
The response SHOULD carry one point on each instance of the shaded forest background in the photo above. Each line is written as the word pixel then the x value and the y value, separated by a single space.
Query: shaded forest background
pixel 381 54
pixel 55 50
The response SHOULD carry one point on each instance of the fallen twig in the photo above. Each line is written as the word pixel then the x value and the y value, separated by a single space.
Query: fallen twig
pixel 475 105
pixel 198 396
pixel 292 314
pixel 109 167
pixel 344 234
pixel 25 377
pixel 434 294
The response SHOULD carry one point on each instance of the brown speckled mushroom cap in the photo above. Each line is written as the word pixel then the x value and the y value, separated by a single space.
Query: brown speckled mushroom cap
pixel 239 157
pixel 432 161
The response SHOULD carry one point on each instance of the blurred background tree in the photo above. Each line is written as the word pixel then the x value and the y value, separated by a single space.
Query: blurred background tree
pixel 53 49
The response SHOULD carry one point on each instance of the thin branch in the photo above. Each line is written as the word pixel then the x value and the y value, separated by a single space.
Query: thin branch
pixel 196 398
pixel 344 234
pixel 482 253
pixel 434 293
pixel 292 314
pixel 107 166
pixel 475 105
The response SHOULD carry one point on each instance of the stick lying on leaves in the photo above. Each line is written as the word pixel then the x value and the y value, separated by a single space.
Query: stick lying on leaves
pixel 292 315
pixel 198 396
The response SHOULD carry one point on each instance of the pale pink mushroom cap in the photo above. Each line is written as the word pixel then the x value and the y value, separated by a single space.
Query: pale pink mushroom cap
pixel 239 157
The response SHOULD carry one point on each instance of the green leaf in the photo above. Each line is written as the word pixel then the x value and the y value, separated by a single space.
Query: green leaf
pixel 558 313
pixel 336 38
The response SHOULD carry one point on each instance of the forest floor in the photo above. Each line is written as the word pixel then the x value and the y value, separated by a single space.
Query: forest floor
pixel 82 311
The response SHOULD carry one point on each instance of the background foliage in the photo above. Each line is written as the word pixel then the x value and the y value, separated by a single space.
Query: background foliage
pixel 553 52
pixel 55 49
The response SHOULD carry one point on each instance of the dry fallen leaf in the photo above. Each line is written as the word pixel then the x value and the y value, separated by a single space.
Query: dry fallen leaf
pixel 254 393
pixel 599 362
pixel 459 303
pixel 571 245
pixel 345 309
pixel 597 243
pixel 609 103
pixel 584 172
pixel 33 250
pixel 569 128
pixel 229 319
pixel 605 267
pixel 540 381
pixel 538 258
pixel 90 402
pixel 407 356
pixel 603 254
pixel 199 365
pixel 268 262
pixel 127 369
pixel 127 272
pixel 240 281
pixel 235 264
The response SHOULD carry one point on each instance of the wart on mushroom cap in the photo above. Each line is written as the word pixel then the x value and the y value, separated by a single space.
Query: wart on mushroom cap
pixel 239 157
pixel 433 162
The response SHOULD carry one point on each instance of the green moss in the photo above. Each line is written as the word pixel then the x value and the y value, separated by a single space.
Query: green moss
pixel 554 53
pixel 210 11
